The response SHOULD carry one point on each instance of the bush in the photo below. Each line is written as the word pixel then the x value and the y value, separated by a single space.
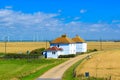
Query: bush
pixel 79 53
pixel 2 55
pixel 37 51
pixel 95 50
pixel 92 50
pixel 20 56
pixel 67 56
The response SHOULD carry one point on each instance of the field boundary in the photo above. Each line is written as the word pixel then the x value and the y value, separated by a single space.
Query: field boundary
pixel 69 73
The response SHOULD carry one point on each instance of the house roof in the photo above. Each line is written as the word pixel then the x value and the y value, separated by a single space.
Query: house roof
pixel 54 48
pixel 63 40
pixel 78 39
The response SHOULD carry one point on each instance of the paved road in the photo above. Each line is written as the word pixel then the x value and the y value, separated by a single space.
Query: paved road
pixel 57 72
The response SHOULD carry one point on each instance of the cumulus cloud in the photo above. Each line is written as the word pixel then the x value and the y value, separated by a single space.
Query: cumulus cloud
pixel 17 24
pixel 9 18
pixel 20 23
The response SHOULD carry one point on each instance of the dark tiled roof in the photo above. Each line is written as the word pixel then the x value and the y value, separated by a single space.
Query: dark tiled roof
pixel 54 48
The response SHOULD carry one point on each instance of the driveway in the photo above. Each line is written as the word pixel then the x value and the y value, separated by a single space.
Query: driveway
pixel 57 72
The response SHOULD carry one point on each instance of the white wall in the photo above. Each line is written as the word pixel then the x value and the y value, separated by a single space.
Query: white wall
pixel 50 55
pixel 72 48
pixel 67 48
pixel 78 47
pixel 81 47
pixel 84 47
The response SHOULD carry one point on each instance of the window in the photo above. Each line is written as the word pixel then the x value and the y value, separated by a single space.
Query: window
pixel 53 53
pixel 58 45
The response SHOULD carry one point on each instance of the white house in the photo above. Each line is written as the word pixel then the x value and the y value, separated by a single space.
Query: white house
pixel 81 45
pixel 53 52
pixel 67 44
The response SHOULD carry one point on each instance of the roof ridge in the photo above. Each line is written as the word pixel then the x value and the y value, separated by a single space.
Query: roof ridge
pixel 69 39
pixel 63 39
pixel 54 48
pixel 78 39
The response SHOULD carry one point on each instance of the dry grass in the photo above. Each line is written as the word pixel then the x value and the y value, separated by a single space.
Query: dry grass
pixel 105 45
pixel 15 47
pixel 103 64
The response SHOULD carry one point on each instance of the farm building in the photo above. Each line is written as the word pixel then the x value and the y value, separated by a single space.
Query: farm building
pixel 81 45
pixel 65 46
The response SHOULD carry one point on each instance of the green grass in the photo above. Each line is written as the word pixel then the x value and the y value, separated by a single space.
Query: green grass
pixel 69 73
pixel 1 55
pixel 22 69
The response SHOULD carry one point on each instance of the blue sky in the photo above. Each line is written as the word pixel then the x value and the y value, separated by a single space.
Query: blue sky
pixel 48 19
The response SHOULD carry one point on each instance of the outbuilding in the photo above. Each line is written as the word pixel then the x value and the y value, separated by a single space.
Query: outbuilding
pixel 53 52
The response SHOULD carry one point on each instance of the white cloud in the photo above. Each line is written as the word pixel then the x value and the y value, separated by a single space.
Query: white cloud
pixel 118 25
pixel 83 11
pixel 59 10
pixel 76 18
pixel 19 23
pixel 8 7
pixel 115 21
pixel 11 18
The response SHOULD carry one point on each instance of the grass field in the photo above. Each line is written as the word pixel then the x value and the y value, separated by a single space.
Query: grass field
pixel 103 64
pixel 21 47
pixel 20 69
pixel 16 47
pixel 16 69
pixel 103 45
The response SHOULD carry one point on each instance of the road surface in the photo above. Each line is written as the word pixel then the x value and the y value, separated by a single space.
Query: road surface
pixel 57 72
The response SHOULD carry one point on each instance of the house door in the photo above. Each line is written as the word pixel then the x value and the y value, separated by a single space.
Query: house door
pixel 45 54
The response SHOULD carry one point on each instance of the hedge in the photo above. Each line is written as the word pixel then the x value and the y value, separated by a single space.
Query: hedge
pixel 67 56
pixel 37 51
pixel 21 56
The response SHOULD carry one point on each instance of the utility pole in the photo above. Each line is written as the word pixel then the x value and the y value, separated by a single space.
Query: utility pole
pixel 46 38
pixel 5 41
pixel 46 44
pixel 100 43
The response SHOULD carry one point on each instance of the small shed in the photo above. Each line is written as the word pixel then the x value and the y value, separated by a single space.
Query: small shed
pixel 53 52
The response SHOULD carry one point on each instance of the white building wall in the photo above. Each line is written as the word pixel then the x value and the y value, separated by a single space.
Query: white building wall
pixel 84 49
pixel 67 48
pixel 81 47
pixel 60 53
pixel 78 47
pixel 51 55
pixel 72 48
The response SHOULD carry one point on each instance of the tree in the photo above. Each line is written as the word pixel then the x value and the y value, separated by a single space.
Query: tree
pixel 37 51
